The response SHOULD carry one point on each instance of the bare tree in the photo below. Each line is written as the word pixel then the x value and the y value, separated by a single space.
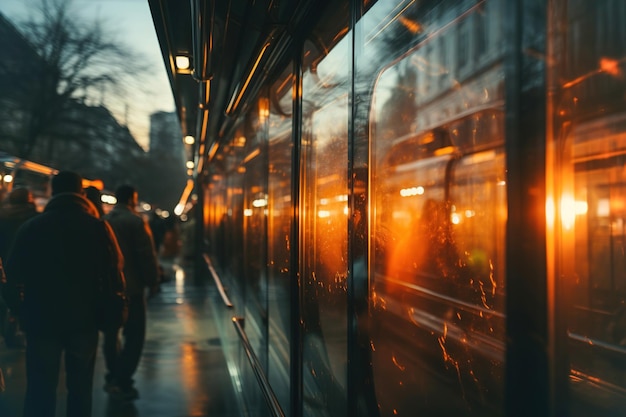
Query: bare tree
pixel 78 61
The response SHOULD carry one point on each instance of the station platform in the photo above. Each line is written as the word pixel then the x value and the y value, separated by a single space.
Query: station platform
pixel 183 371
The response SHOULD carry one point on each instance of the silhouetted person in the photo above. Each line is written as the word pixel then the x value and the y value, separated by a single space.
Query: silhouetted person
pixel 140 268
pixel 158 228
pixel 16 209
pixel 95 196
pixel 59 257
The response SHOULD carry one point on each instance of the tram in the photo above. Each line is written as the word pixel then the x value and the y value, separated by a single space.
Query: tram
pixel 410 207
pixel 20 172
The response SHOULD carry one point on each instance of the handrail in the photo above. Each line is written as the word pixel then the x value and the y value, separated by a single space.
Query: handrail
pixel 268 393
pixel 218 281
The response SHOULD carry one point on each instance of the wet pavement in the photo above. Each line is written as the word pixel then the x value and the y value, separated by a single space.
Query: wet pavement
pixel 182 373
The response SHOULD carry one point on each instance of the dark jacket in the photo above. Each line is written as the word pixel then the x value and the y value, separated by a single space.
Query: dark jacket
pixel 12 215
pixel 57 256
pixel 135 239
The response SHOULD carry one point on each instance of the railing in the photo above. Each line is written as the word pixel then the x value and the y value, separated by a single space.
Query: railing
pixel 266 389
pixel 268 393
pixel 218 282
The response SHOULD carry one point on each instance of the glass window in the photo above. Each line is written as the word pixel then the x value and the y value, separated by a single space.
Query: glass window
pixel 324 218
pixel 438 217
pixel 589 116
pixel 280 231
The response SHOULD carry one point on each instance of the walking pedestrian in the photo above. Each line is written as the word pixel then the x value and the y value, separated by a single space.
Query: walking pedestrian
pixel 122 354
pixel 18 207
pixel 59 257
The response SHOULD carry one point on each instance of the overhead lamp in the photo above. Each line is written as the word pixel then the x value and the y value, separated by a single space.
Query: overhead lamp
pixel 182 62
pixel 189 140
pixel 190 164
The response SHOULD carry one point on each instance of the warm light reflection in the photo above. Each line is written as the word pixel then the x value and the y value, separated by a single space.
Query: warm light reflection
pixel 550 212
pixel 179 276
pixel 247 212
pixel 610 66
pixel 568 211
pixel 261 202
pixel 323 214
pixel 8 178
pixel 408 192
pixel 604 208
pixel 189 140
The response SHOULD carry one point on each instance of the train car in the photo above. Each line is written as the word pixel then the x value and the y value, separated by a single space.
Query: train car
pixel 410 207
pixel 18 172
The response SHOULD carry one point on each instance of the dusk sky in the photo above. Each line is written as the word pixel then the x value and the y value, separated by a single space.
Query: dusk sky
pixel 131 21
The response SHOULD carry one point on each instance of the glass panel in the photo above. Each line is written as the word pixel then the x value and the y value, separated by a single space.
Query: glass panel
pixel 324 227
pixel 254 276
pixel 280 203
pixel 589 118
pixel 437 249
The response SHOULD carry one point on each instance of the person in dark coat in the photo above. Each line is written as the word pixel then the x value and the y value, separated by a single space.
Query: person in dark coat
pixel 18 207
pixel 141 271
pixel 59 257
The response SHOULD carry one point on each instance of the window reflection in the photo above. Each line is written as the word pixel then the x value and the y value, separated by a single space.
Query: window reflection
pixel 438 241
pixel 590 128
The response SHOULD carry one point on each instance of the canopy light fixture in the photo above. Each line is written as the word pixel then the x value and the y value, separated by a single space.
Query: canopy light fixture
pixel 183 62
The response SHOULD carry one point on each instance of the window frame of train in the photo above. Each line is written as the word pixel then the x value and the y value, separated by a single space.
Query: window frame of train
pixel 586 146
pixel 437 147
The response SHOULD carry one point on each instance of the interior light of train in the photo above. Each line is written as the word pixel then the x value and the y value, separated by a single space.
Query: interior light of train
pixel 178 210
pixel 190 164
pixel 470 213
pixel 165 214
pixel 260 202
pixel 409 192
pixel 455 218
pixel 182 62
pixel 444 151
pixel 481 157
pixel 247 212
pixel 189 140
pixel 146 207
pixel 35 167
pixel 322 214
pixel 343 197
pixel 323 201
pixel 8 178
pixel 190 172
pixel 345 210
pixel 502 183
